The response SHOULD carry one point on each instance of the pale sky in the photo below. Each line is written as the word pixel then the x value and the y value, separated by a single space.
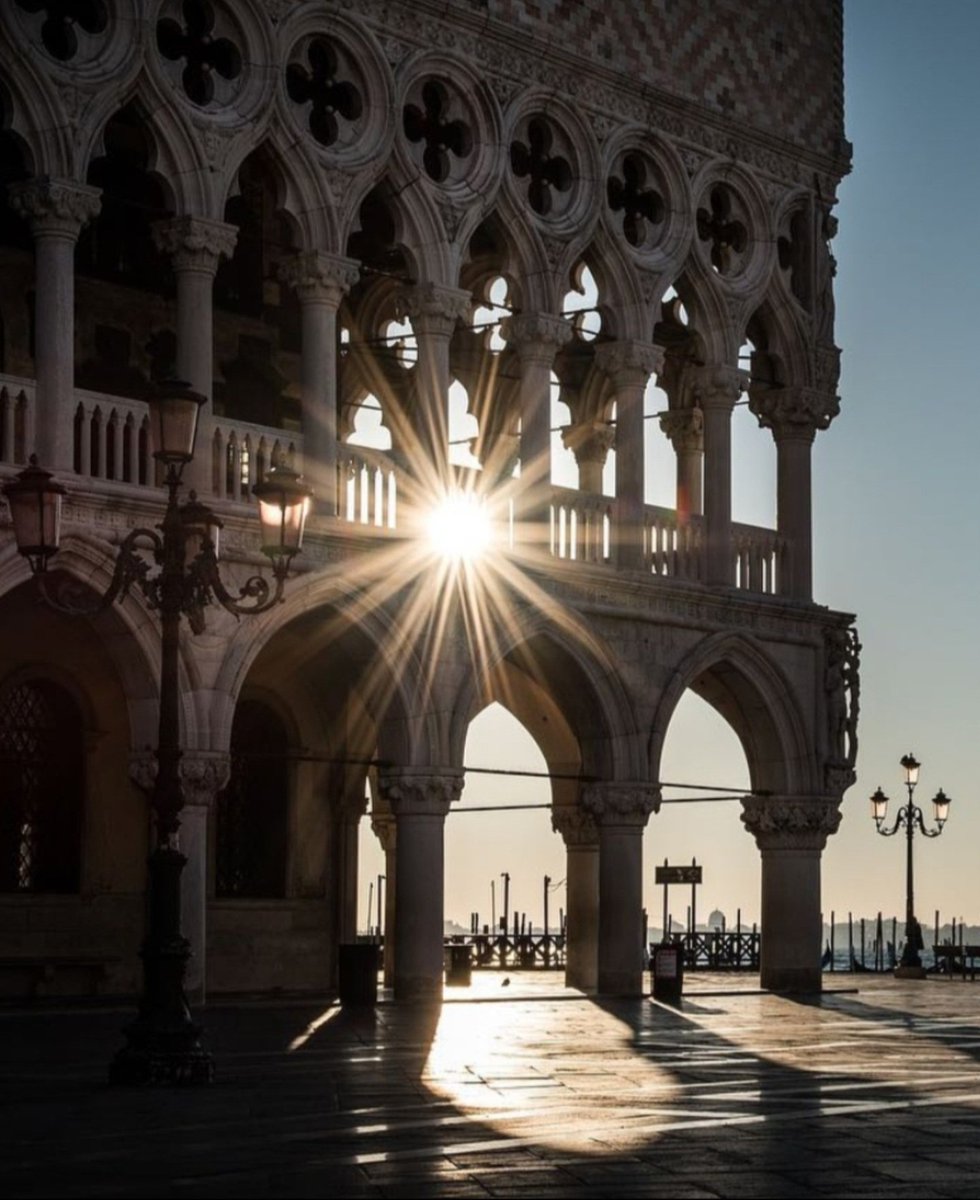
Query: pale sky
pixel 896 529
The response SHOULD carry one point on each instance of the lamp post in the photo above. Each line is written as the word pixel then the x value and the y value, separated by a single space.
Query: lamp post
pixel 163 1044
pixel 910 818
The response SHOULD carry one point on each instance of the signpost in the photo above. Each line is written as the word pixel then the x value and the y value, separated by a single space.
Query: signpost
pixel 666 875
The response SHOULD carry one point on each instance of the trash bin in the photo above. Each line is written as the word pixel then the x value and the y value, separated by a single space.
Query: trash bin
pixel 459 968
pixel 358 973
pixel 668 971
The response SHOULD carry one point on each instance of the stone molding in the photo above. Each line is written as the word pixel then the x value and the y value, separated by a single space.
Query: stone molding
pixel 791 822
pixel 195 243
pixel 423 793
pixel 536 336
pixel 629 364
pixel 685 428
pixel 319 276
pixel 577 827
pixel 58 207
pixel 794 412
pixel 621 803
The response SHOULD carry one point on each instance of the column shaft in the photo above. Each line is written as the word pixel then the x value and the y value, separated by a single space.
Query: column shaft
pixel 794 516
pixel 582 917
pixel 791 923
pixel 620 957
pixel 719 562
pixel 194 896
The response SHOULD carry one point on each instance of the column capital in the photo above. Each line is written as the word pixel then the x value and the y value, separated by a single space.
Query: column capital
pixel 590 440
pixel 195 243
pixel 384 828
pixel 685 428
pixel 714 386
pixel 433 308
pixel 57 207
pixel 794 412
pixel 420 792
pixel 203 773
pixel 629 804
pixel 629 364
pixel 536 336
pixel 791 822
pixel 576 826
pixel 319 276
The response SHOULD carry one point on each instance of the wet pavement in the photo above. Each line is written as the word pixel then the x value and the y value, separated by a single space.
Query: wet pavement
pixel 524 1090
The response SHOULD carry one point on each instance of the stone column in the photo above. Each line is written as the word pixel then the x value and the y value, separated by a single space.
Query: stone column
pixel 536 338
pixel 203 775
pixel 321 281
pixel 56 209
pixel 420 799
pixel 383 825
pixel 621 811
pixel 794 415
pixel 629 366
pixel 791 832
pixel 434 311
pixel 196 246
pixel 352 807
pixel 590 441
pixel 685 428
pixel 716 390
pixel 581 838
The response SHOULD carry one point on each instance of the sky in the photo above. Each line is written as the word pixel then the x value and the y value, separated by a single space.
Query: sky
pixel 895 525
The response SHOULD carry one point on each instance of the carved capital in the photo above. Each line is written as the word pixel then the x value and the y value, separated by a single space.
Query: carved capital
pixel 433 308
pixel 143 769
pixel 420 793
pixel 55 207
pixel 203 774
pixel 791 822
pixel 589 441
pixel 536 336
pixel 318 276
pixel 577 827
pixel 621 803
pixel 195 243
pixel 685 428
pixel 714 386
pixel 385 830
pixel 794 412
pixel 629 364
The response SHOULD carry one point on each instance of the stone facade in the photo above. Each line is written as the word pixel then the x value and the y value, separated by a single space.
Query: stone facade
pixel 316 212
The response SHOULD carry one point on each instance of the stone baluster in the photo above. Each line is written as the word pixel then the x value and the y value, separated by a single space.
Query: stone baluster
pixel 629 366
pixel 791 832
pixel 196 246
pixel 685 428
pixel 384 828
pixel 621 812
pixel 581 837
pixel 794 415
pixel 716 390
pixel 433 311
pixel 57 209
pixel 420 800
pixel 321 281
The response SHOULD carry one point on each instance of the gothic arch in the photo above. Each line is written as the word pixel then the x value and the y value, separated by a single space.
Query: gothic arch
pixel 735 676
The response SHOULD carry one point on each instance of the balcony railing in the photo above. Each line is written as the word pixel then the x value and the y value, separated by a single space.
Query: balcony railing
pixel 112 441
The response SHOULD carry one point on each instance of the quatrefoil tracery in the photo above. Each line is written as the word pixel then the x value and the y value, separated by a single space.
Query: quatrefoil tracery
pixel 441 134
pixel 547 172
pixel 641 206
pixel 727 235
pixel 330 98
pixel 58 33
pixel 204 54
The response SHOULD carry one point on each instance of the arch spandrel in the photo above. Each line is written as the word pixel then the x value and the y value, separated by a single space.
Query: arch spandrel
pixel 738 678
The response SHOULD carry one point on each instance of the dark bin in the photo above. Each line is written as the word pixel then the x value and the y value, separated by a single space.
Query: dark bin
pixel 459 968
pixel 667 963
pixel 358 973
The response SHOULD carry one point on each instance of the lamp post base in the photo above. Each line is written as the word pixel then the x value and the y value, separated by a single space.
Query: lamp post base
pixel 154 1057
pixel 910 972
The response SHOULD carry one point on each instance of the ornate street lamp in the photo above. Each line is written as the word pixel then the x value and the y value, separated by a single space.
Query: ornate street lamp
pixel 163 1044
pixel 910 816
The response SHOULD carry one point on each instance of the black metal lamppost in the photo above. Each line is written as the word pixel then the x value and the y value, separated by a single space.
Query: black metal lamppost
pixel 163 1044
pixel 910 817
